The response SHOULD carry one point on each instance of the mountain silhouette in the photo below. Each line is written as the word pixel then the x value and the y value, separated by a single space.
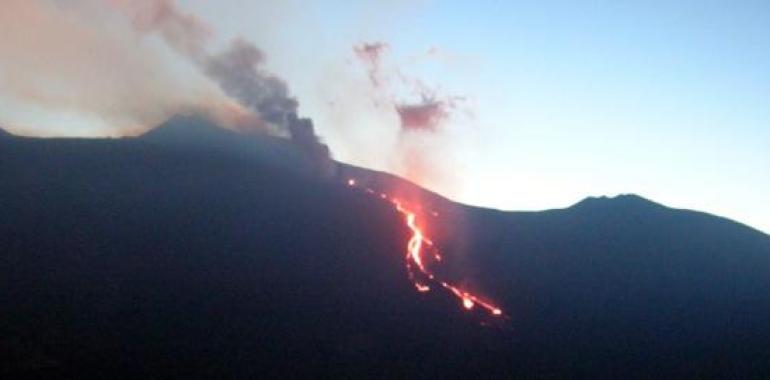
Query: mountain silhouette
pixel 193 251
pixel 4 134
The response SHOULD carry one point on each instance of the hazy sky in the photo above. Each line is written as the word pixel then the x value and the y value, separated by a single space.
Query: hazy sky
pixel 560 99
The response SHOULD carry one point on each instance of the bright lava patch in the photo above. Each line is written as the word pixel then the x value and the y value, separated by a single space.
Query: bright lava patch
pixel 418 248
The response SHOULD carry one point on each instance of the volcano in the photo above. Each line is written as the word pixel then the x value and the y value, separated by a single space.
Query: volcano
pixel 193 251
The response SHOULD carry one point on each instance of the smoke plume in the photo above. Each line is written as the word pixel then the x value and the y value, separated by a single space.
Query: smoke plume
pixel 237 70
pixel 184 32
pixel 107 59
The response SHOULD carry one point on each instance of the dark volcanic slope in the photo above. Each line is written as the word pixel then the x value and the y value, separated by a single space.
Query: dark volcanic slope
pixel 652 289
pixel 131 257
pixel 150 257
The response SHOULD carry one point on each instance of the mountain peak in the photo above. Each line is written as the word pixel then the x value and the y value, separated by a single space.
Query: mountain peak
pixel 189 128
pixel 4 133
pixel 198 133
pixel 620 201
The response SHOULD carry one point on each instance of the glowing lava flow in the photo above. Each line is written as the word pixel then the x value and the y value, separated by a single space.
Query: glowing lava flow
pixel 415 257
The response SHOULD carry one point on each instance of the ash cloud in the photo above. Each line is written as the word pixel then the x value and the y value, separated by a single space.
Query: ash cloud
pixel 100 58
pixel 237 70
pixel 429 113
pixel 420 118
pixel 371 54
pixel 184 32
pixel 425 116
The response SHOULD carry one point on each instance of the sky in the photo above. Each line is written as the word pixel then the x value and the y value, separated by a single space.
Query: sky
pixel 551 101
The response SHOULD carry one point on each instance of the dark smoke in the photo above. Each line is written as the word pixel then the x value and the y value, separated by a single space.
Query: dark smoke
pixel 237 70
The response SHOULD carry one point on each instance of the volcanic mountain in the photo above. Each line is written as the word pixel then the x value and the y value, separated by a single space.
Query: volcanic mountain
pixel 193 251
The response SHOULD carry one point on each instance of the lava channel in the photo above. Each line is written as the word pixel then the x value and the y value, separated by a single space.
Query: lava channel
pixel 420 249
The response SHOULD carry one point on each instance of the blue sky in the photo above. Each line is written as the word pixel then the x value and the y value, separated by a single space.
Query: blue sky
pixel 568 99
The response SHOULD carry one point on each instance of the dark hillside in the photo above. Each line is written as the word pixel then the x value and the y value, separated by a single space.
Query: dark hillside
pixel 158 256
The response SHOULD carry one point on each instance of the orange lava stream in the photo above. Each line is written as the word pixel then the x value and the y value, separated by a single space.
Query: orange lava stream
pixel 417 246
